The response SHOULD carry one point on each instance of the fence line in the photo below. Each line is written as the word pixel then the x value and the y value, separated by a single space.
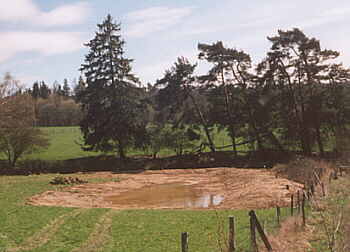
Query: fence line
pixel 301 197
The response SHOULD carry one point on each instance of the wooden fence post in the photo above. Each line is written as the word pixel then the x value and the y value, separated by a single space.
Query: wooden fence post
pixel 184 242
pixel 261 231
pixel 291 204
pixel 298 202
pixel 254 245
pixel 231 240
pixel 312 189
pixel 303 210
pixel 323 189
pixel 278 211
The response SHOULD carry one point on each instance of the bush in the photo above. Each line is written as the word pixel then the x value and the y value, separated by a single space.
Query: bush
pixel 304 170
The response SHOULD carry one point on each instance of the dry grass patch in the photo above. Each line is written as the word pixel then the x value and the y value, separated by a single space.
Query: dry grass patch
pixel 292 237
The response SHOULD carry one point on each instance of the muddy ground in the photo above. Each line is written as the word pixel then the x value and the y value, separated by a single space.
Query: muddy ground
pixel 239 189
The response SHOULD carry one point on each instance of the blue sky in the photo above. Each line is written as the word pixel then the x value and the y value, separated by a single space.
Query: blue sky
pixel 43 39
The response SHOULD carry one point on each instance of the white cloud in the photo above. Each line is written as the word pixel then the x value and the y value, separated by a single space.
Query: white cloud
pixel 65 15
pixel 44 43
pixel 18 10
pixel 155 19
pixel 27 11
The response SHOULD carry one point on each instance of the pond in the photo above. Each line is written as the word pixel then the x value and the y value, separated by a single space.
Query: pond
pixel 173 195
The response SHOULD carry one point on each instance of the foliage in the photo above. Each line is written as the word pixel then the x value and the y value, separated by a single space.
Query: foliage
pixel 155 139
pixel 294 99
pixel 110 100
pixel 57 111
pixel 299 71
pixel 179 139
pixel 179 101
pixel 40 90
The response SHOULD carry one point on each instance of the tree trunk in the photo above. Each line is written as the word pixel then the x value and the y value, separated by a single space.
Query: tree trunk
pixel 14 160
pixel 203 121
pixel 121 150
pixel 233 138
pixel 319 141
pixel 305 141
pixel 229 114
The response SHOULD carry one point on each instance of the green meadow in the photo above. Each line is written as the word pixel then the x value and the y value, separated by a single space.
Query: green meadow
pixel 65 143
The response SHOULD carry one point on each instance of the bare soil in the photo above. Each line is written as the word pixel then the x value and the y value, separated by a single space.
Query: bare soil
pixel 241 188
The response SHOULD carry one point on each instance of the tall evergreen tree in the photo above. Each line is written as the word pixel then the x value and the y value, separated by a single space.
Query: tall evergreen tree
pixel 110 98
pixel 36 90
pixel 79 88
pixel 44 90
pixel 65 88
pixel 230 69
pixel 298 68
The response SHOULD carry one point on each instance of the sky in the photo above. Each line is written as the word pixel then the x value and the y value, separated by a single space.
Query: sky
pixel 44 39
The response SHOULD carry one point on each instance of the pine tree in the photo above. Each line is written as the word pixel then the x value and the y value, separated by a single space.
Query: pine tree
pixel 178 94
pixel 79 88
pixel 65 88
pixel 298 67
pixel 110 99
pixel 36 90
pixel 44 90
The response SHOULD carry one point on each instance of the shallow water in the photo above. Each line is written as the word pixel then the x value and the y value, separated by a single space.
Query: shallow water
pixel 165 196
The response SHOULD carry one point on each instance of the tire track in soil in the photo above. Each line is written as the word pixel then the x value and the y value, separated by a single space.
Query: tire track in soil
pixel 100 235
pixel 44 235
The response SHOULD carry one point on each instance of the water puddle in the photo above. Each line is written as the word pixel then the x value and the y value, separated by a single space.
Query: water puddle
pixel 165 196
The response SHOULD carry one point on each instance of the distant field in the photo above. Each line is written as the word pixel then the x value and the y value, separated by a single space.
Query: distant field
pixel 64 144
pixel 40 229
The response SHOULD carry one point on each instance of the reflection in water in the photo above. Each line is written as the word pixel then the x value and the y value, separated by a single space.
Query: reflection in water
pixel 167 196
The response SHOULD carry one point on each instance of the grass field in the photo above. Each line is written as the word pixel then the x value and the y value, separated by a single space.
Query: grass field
pixel 32 228
pixel 64 144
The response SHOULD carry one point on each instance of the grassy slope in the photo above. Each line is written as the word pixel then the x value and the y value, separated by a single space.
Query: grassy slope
pixel 64 144
pixel 335 206
pixel 134 230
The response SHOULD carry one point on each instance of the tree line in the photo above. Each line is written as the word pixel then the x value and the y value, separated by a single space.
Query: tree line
pixel 56 105
pixel 296 98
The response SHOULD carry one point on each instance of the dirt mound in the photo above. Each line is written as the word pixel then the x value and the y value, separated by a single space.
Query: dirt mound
pixel 240 189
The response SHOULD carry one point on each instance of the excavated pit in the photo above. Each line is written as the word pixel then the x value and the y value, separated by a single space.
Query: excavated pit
pixel 211 188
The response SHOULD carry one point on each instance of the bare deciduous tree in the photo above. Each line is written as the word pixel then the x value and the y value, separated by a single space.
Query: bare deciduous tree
pixel 18 136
